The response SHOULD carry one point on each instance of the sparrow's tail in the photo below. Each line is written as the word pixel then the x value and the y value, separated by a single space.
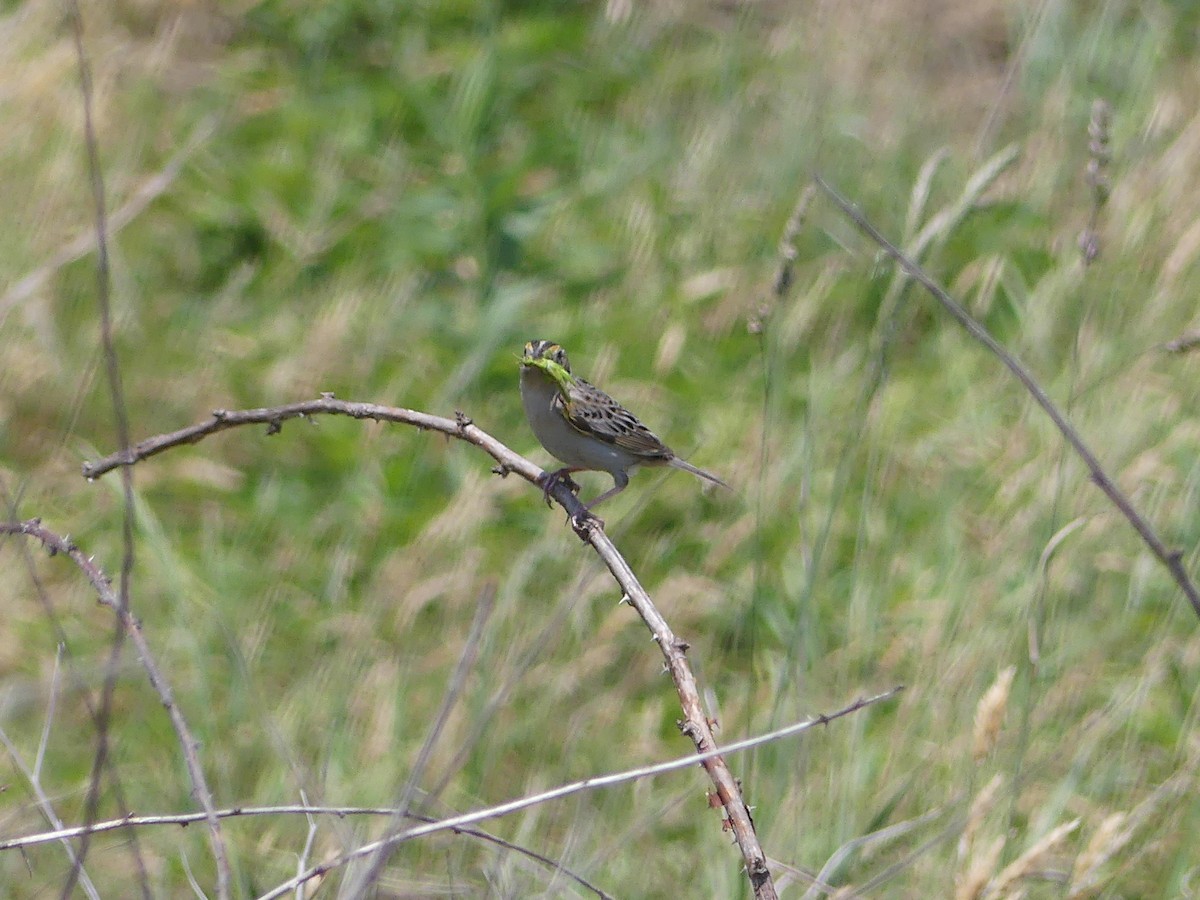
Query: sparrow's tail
pixel 688 467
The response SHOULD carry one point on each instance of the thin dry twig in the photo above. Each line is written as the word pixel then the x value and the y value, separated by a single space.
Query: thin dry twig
pixel 310 840
pixel 33 776
pixel 1171 559
pixel 587 784
pixel 185 819
pixel 466 661
pixel 274 416
pixel 102 585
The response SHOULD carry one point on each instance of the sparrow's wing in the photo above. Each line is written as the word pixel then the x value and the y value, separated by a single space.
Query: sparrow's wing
pixel 592 412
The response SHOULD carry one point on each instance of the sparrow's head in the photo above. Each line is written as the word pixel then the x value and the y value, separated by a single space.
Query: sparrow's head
pixel 549 359
pixel 538 353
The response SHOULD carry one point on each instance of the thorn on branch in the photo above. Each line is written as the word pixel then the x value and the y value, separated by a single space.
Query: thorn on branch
pixel 274 427
pixel 681 645
pixel 327 395
pixel 692 730
pixel 462 420
pixel 220 414
pixel 760 873
pixel 502 469
pixel 583 523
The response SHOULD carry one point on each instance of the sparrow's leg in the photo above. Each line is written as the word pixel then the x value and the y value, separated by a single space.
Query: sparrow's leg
pixel 551 479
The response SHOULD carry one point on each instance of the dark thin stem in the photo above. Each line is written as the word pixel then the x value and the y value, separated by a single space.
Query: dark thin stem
pixel 120 416
pixel 1172 559
pixel 466 661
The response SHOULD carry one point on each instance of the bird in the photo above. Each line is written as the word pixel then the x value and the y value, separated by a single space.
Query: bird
pixel 585 428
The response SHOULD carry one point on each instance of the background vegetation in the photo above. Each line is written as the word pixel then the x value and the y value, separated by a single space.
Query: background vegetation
pixel 385 200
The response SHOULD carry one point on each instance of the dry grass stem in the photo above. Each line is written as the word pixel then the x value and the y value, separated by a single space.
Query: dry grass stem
pixel 1108 839
pixel 1118 829
pixel 1096 175
pixel 1031 861
pixel 785 273
pixel 972 884
pixel 983 803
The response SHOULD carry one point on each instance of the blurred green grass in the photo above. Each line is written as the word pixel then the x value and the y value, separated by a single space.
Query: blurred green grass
pixel 396 197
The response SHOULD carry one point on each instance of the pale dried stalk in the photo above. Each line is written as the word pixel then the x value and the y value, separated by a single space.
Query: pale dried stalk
pixel 1029 861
